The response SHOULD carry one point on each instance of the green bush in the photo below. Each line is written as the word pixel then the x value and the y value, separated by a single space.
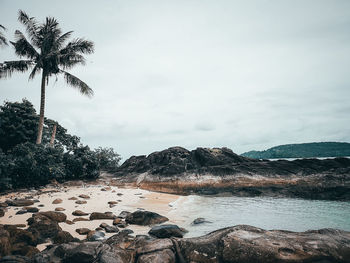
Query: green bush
pixel 24 163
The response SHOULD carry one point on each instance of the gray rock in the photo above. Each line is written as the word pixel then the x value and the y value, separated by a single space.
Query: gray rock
pixel 166 231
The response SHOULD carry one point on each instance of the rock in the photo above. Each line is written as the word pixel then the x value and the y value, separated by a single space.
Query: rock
pixel 77 219
pixel 99 229
pixel 69 222
pixel 166 231
pixel 112 202
pixel 73 198
pixel 96 236
pixel 111 229
pixel 5 243
pixel 145 218
pixel 64 237
pixel 21 212
pixel 15 259
pixel 124 214
pixel 83 253
pixel 82 231
pixel 127 231
pixel 53 215
pixel 2 212
pixel 20 202
pixel 216 170
pixel 200 220
pixel 106 215
pixel 111 206
pixel 163 256
pixel 79 213
pixel 80 202
pixel 43 226
pixel 31 209
pixel 106 189
pixel 59 209
pixel 84 196
pixel 3 204
pixel 41 205
pixel 116 221
pixel 241 244
pixel 120 194
pixel 122 225
pixel 57 201
pixel 24 250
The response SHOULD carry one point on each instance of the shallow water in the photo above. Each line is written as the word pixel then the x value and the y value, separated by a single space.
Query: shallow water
pixel 263 212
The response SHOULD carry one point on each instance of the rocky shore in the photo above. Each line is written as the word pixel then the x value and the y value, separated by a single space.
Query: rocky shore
pixel 240 243
pixel 99 222
pixel 219 170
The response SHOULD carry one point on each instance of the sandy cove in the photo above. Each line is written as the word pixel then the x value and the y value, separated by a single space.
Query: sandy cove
pixel 129 199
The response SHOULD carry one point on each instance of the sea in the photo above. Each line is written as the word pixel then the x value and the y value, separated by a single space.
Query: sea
pixel 264 212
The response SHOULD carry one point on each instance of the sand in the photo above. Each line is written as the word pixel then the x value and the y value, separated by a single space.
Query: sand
pixel 129 199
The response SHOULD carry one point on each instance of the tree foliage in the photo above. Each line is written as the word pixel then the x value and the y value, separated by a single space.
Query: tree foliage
pixel 24 163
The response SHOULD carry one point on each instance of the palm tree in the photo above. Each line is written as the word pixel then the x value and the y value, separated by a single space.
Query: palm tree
pixel 3 40
pixel 46 53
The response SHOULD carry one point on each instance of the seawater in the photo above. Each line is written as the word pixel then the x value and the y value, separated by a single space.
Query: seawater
pixel 264 212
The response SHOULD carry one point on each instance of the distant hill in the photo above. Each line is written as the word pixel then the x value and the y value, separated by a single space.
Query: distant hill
pixel 303 150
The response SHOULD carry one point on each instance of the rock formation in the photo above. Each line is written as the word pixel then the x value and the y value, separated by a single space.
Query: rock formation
pixel 241 244
pixel 212 171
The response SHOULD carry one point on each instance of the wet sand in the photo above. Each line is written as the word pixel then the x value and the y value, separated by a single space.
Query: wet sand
pixel 129 199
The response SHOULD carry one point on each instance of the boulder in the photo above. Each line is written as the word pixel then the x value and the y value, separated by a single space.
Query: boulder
pixel 60 209
pixel 84 196
pixel 145 218
pixel 80 202
pixel 106 215
pixel 124 214
pixel 95 236
pixel 77 219
pixel 79 213
pixel 2 212
pixel 20 202
pixel 117 221
pixel 53 215
pixel 5 243
pixel 64 237
pixel 43 227
pixel 73 198
pixel 57 201
pixel 82 231
pixel 200 220
pixel 166 231
pixel 31 209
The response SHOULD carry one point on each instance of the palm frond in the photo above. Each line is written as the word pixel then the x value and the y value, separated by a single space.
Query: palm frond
pixel 36 70
pixel 8 67
pixel 31 26
pixel 77 83
pixel 63 38
pixel 49 32
pixel 23 47
pixel 3 40
pixel 79 45
pixel 68 61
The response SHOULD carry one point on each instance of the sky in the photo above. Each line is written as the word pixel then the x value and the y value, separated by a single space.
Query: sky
pixel 247 75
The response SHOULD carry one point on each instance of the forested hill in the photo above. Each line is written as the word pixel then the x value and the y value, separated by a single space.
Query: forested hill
pixel 303 150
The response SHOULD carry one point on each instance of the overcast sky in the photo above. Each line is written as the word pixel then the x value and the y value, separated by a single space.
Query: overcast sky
pixel 241 74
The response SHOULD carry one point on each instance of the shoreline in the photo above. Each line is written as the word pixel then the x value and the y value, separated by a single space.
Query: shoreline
pixel 129 199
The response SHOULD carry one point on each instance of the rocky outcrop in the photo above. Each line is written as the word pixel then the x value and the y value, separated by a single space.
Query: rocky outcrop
pixel 229 245
pixel 217 170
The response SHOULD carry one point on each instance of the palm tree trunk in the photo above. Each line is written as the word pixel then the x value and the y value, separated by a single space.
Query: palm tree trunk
pixel 42 110
pixel 53 135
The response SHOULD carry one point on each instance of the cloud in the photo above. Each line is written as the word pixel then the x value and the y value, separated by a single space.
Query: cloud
pixel 242 74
